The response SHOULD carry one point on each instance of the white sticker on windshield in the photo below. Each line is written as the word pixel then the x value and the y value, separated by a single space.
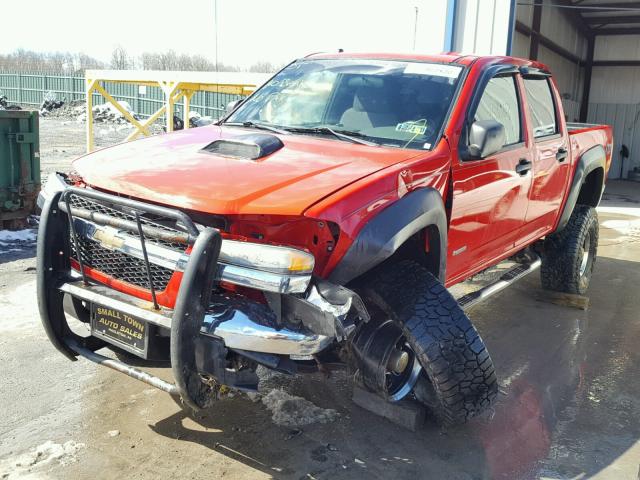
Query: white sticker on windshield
pixel 414 128
pixel 434 69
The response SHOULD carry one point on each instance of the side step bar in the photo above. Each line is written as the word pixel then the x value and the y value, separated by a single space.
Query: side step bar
pixel 520 271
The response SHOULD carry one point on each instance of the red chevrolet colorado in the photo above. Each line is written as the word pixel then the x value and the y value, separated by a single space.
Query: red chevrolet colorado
pixel 320 223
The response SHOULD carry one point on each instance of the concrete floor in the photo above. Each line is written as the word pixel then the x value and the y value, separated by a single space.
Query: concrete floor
pixel 568 407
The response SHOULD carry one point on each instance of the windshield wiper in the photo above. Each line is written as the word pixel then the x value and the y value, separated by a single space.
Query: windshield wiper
pixel 259 126
pixel 342 134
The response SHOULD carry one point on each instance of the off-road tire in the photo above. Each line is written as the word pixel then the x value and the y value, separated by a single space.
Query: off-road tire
pixel 563 253
pixel 460 380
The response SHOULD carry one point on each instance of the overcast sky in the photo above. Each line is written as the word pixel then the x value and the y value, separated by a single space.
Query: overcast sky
pixel 248 31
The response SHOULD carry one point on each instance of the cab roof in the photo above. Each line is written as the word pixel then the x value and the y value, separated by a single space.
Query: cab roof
pixel 450 57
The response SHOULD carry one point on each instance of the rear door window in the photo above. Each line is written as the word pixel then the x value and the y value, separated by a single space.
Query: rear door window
pixel 541 107
pixel 499 102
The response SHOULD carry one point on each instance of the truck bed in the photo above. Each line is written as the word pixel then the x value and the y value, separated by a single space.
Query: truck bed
pixel 576 126
pixel 585 135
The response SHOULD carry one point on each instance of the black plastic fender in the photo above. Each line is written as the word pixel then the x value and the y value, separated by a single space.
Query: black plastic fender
pixel 590 160
pixel 387 231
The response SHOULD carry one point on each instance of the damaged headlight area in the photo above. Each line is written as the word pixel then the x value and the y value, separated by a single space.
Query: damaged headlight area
pixel 265 267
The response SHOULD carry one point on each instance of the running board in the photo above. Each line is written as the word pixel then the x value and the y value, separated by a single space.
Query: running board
pixel 518 272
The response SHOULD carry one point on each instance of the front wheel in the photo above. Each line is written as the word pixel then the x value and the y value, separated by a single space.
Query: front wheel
pixel 569 256
pixel 458 379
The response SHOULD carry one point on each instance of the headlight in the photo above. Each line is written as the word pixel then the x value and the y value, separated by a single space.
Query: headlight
pixel 55 183
pixel 267 258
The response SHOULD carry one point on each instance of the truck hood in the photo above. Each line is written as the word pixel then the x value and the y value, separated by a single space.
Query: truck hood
pixel 173 170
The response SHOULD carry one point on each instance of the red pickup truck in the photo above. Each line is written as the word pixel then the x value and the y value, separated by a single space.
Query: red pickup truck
pixel 320 223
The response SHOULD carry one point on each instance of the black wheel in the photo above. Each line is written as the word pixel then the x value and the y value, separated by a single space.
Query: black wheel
pixel 569 256
pixel 458 379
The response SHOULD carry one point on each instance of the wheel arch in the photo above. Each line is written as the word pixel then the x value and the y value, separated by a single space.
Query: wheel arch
pixel 414 227
pixel 588 183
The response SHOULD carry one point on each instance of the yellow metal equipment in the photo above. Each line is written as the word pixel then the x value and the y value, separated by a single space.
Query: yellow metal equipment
pixel 175 85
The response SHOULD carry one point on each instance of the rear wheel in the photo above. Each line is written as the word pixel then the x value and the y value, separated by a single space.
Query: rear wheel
pixel 458 380
pixel 569 256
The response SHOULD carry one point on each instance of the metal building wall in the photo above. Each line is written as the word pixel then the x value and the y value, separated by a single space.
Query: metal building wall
pixel 482 27
pixel 615 98
pixel 567 73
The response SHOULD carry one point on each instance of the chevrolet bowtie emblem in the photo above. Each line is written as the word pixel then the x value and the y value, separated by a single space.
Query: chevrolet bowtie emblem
pixel 108 238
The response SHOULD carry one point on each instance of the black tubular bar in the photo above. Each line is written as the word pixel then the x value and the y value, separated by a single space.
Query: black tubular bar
pixel 143 244
pixel 74 237
pixel 177 215
pixel 104 219
pixel 123 368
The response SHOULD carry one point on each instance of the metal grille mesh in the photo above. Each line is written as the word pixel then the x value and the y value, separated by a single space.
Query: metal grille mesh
pixel 121 266
pixel 117 264
pixel 94 206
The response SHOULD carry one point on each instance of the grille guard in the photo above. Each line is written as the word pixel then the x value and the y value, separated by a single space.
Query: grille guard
pixel 193 296
pixel 188 318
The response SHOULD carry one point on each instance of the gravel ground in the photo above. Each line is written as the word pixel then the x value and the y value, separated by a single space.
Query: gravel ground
pixel 63 140
pixel 568 406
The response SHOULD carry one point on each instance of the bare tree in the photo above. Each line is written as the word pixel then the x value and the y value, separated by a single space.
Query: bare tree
pixel 66 62
pixel 263 67
pixel 47 62
pixel 120 59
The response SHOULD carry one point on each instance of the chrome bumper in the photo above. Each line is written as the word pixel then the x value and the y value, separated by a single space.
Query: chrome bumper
pixel 240 326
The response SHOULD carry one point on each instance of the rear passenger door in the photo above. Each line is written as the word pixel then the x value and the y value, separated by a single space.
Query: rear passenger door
pixel 490 195
pixel 550 157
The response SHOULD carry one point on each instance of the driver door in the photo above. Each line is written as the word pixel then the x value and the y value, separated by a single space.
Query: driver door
pixel 490 195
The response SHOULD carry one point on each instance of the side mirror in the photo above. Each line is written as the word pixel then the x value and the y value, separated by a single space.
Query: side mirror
pixel 486 137
pixel 232 106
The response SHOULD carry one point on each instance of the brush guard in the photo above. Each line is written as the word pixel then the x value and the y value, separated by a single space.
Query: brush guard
pixel 54 271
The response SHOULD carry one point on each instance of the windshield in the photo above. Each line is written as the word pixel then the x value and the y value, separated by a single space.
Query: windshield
pixel 393 103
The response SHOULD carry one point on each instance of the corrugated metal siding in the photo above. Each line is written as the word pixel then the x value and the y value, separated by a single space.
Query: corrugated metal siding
pixel 520 45
pixel 524 14
pixel 29 89
pixel 617 47
pixel 615 97
pixel 625 120
pixel 615 85
pixel 482 27
pixel 556 27
pixel 569 78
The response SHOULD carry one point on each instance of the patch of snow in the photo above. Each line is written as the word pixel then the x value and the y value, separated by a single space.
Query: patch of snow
pixel 26 235
pixel 19 307
pixel 49 453
pixel 289 410
pixel 9 250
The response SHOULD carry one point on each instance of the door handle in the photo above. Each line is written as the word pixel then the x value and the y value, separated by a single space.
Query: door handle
pixel 523 166
pixel 562 154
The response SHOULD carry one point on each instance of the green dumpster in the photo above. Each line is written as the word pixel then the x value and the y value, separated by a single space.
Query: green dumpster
pixel 19 166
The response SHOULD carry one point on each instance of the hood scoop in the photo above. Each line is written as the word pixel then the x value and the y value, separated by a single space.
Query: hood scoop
pixel 253 146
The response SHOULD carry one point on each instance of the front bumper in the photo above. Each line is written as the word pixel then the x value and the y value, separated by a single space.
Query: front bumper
pixel 239 323
pixel 203 325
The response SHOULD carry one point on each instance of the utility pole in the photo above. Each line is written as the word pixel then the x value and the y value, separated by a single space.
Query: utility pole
pixel 215 25
pixel 415 29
